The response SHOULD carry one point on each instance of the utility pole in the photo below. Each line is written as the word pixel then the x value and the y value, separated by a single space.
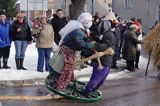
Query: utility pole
pixel 113 5
pixel 43 7
pixel 92 7
pixel 148 13
pixel 27 11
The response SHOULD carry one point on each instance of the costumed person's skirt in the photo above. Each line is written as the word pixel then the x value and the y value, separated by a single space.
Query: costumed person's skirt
pixel 62 80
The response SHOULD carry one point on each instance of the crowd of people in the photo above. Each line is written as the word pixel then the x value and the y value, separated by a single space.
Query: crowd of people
pixel 88 34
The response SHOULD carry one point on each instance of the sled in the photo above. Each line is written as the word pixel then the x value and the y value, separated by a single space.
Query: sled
pixel 73 91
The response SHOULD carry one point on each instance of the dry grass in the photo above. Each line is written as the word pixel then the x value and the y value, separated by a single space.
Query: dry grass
pixel 152 44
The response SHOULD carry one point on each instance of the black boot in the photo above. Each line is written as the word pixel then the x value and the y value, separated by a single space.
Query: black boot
pixel 5 66
pixel 18 63
pixel 21 64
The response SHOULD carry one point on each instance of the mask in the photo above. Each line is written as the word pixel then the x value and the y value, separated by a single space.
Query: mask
pixel 87 25
pixel 104 26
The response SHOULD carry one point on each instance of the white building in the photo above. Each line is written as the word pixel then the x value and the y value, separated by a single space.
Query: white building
pixel 92 6
pixel 147 10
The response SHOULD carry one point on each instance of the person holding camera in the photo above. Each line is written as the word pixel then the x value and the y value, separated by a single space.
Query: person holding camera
pixel 21 35
pixel 44 35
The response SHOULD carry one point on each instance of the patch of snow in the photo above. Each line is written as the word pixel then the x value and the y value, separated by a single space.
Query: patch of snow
pixel 30 62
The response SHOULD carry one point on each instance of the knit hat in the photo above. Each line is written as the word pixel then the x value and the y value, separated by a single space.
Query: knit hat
pixel 2 12
pixel 111 16
pixel 133 27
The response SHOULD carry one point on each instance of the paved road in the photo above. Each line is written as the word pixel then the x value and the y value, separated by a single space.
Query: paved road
pixel 123 92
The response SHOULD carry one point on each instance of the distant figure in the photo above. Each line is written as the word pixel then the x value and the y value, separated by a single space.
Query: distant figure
pixel 96 15
pixel 138 22
pixel 117 34
pixel 130 46
pixel 58 22
pixel 156 22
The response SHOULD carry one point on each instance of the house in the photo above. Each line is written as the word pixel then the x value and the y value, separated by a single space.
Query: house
pixel 147 10
pixel 92 6
pixel 37 13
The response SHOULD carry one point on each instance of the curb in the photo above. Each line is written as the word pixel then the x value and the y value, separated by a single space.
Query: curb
pixel 31 98
pixel 13 83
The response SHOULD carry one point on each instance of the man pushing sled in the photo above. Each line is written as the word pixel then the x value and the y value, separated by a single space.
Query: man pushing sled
pixel 73 39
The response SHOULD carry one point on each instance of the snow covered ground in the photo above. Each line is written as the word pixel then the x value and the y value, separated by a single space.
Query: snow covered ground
pixel 30 63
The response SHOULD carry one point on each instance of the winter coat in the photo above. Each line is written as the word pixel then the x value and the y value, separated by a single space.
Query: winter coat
pixel 5 39
pixel 94 31
pixel 139 46
pixel 24 34
pixel 117 36
pixel 76 40
pixel 130 45
pixel 44 37
pixel 107 41
pixel 58 24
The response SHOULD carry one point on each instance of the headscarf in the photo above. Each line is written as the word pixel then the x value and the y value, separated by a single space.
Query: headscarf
pixel 85 19
pixel 68 28
pixel 82 22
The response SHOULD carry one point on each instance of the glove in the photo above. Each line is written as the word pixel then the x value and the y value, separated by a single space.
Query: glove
pixel 93 42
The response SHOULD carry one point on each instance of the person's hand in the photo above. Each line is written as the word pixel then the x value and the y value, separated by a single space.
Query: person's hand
pixel 36 26
pixel 100 37
pixel 19 29
pixel 93 42
pixel 41 27
pixel 29 42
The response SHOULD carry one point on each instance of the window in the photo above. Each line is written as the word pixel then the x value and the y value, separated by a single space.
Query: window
pixel 159 12
pixel 128 3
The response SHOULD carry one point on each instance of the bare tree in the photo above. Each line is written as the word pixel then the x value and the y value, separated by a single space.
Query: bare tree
pixel 77 8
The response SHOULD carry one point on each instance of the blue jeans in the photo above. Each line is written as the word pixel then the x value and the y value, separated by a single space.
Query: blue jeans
pixel 97 79
pixel 20 47
pixel 43 54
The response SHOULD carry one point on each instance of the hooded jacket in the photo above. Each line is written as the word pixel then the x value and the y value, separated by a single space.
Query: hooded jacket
pixel 5 39
pixel 108 40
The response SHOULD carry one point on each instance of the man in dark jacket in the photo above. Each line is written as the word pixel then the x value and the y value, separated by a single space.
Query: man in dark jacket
pixel 5 41
pixel 117 37
pixel 58 22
